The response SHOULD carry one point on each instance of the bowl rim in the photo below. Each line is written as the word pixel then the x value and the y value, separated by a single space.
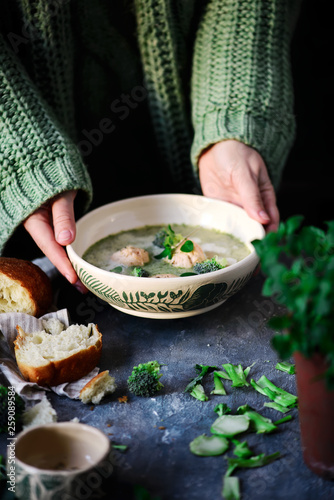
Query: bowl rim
pixel 252 256
pixel 77 426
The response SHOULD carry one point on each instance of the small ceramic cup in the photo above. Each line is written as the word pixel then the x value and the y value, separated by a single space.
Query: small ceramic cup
pixel 60 461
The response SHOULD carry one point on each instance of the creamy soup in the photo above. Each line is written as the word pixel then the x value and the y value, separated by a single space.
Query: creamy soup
pixel 223 246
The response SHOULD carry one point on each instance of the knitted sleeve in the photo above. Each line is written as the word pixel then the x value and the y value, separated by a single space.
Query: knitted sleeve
pixel 37 158
pixel 241 83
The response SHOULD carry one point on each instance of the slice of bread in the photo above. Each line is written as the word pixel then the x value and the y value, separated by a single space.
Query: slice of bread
pixel 55 357
pixel 101 385
pixel 24 287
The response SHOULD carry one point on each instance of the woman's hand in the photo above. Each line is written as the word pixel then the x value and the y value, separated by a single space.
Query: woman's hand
pixel 52 226
pixel 234 172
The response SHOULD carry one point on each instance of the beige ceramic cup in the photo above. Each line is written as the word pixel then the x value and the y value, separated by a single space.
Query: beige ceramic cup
pixel 60 461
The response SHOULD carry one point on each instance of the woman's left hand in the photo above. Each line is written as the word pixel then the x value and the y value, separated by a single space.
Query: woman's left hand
pixel 234 172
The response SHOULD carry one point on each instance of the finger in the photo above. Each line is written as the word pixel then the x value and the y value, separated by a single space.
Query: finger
pixel 271 208
pixel 269 201
pixel 251 197
pixel 63 218
pixel 39 228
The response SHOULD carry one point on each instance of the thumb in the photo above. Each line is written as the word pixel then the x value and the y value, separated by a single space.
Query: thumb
pixel 63 218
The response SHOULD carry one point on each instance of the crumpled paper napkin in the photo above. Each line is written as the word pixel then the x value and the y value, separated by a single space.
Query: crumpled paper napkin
pixel 31 392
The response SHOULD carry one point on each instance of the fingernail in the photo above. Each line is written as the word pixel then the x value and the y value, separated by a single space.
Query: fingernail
pixel 64 236
pixel 264 215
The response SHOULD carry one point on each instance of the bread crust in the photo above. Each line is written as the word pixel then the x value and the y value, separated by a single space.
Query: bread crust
pixel 90 385
pixel 97 388
pixel 33 279
pixel 63 371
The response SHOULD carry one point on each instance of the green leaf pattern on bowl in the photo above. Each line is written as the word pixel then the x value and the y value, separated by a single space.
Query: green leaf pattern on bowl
pixel 164 301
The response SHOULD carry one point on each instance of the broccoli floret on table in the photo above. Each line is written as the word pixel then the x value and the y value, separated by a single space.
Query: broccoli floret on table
pixel 139 272
pixel 11 406
pixel 144 379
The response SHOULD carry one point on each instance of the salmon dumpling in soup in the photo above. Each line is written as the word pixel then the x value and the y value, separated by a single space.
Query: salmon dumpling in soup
pixel 187 259
pixel 131 256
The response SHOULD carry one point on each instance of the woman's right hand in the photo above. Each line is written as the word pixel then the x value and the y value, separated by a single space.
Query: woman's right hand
pixel 52 227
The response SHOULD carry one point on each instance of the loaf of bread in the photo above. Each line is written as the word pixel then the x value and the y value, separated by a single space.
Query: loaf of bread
pixel 54 356
pixel 101 385
pixel 24 287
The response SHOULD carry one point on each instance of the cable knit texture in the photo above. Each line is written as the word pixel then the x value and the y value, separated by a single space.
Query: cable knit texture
pixel 214 71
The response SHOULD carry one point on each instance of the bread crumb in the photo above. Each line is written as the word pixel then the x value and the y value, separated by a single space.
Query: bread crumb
pixel 123 399
pixel 53 326
pixel 98 387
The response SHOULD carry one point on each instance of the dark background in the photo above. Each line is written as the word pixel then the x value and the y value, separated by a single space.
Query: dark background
pixel 306 186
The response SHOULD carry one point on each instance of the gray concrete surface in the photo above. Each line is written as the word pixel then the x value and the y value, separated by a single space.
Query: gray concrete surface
pixel 158 430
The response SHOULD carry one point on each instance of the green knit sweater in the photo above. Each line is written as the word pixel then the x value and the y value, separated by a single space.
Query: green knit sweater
pixel 208 70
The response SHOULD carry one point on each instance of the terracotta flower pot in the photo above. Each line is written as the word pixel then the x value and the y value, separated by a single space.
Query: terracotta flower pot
pixel 316 415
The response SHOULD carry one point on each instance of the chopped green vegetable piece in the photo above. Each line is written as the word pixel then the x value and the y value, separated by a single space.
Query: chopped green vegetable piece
pixel 117 269
pixel 286 367
pixel 198 393
pixel 203 370
pixel 222 374
pixel 230 470
pixel 241 449
pixel 278 395
pixel 187 246
pixel 236 374
pixel 248 369
pixel 231 488
pixel 264 382
pixel 141 493
pixel 283 420
pixel 222 409
pixel 167 252
pixel 139 272
pixel 120 447
pixel 230 425
pixel 259 423
pixel 209 446
pixel 278 407
pixel 255 461
pixel 218 385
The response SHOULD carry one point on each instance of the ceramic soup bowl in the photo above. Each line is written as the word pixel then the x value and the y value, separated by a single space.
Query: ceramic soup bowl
pixel 167 297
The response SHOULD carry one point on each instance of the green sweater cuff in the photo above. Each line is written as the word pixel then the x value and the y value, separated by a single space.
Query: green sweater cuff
pixel 29 189
pixel 271 138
